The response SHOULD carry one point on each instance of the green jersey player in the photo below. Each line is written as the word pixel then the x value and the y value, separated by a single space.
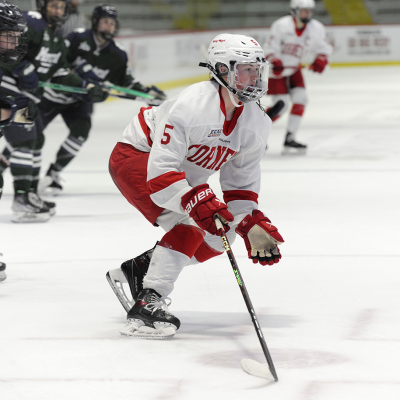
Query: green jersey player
pixel 45 60
pixel 95 56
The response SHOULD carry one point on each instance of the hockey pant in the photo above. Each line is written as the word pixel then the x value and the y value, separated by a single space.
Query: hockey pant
pixel 22 156
pixel 290 89
pixel 184 242
pixel 77 117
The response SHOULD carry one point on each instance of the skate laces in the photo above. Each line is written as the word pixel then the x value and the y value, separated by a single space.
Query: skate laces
pixel 155 303
pixel 35 199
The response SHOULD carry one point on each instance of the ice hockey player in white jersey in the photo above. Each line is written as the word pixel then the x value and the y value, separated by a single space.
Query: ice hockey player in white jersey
pixel 162 164
pixel 291 38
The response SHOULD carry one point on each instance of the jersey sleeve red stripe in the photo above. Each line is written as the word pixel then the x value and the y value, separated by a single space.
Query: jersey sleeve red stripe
pixel 231 195
pixel 163 181
pixel 145 128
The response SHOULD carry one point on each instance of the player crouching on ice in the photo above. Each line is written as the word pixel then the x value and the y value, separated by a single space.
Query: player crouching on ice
pixel 162 164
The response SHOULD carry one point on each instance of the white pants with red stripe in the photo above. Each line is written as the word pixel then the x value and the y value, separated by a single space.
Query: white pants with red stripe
pixel 183 244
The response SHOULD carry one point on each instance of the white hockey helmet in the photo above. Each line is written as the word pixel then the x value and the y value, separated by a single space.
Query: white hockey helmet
pixel 297 5
pixel 225 53
pixel 302 4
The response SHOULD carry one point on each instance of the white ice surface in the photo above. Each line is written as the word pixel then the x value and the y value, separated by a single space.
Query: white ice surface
pixel 329 310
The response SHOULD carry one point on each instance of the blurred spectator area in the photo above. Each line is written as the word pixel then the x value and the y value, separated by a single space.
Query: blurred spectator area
pixel 165 15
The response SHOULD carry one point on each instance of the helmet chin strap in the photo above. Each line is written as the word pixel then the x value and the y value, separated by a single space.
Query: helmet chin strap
pixel 231 91
pixel 233 100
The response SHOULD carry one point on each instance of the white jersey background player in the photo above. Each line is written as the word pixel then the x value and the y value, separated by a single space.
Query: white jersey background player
pixel 291 38
pixel 162 164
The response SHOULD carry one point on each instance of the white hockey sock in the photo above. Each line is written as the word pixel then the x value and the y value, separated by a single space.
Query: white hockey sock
pixel 164 269
pixel 293 125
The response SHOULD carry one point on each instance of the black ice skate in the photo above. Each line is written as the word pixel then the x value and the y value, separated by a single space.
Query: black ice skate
pixel 292 147
pixel 132 273
pixel 51 183
pixel 150 318
pixel 36 199
pixel 27 210
pixel 2 270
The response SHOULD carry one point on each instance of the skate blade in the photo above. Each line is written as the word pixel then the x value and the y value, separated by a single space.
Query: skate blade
pixel 136 329
pixel 293 152
pixel 26 217
pixel 116 279
pixel 49 191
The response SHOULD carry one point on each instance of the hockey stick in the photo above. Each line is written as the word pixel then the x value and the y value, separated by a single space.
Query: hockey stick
pixel 252 367
pixel 74 89
pixel 63 88
pixel 128 91
pixel 273 111
pixel 301 66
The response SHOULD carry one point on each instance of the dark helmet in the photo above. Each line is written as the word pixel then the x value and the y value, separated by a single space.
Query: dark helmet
pixel 104 11
pixel 55 22
pixel 11 20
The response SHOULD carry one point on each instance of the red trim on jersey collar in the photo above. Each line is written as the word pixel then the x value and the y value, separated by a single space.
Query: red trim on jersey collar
pixel 229 126
pixel 299 32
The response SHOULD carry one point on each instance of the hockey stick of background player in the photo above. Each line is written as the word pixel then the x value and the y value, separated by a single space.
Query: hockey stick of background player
pixel 73 89
pixel 275 109
pixel 300 66
pixel 252 367
pixel 128 91
pixel 63 88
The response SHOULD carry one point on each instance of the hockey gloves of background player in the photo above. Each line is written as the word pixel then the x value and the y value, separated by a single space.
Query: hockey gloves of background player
pixel 26 77
pixel 276 64
pixel 23 110
pixel 96 93
pixel 261 238
pixel 201 204
pixel 319 63
pixel 159 95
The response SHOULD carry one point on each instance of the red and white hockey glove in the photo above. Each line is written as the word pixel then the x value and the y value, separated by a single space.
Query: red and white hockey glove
pixel 277 66
pixel 319 63
pixel 261 238
pixel 202 204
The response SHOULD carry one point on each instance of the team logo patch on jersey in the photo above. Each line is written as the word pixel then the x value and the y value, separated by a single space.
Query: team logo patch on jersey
pixel 84 46
pixel 101 73
pixel 45 56
pixel 215 133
